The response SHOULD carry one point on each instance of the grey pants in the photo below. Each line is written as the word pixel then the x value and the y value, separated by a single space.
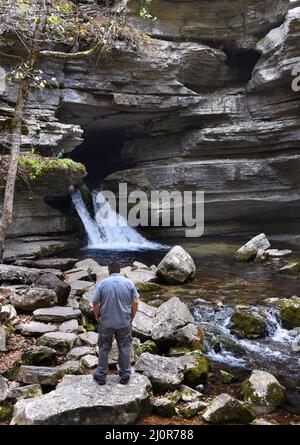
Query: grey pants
pixel 123 338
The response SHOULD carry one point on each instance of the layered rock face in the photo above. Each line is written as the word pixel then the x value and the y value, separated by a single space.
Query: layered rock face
pixel 205 103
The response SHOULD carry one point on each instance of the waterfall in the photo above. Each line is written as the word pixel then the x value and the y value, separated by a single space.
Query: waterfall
pixel 108 230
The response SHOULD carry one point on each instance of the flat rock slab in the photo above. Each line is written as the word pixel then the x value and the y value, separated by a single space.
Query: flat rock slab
pixel 45 375
pixel 62 264
pixel 34 328
pixel 89 338
pixel 24 275
pixel 62 342
pixel 56 314
pixel 81 401
pixel 69 326
pixel 80 286
pixel 80 351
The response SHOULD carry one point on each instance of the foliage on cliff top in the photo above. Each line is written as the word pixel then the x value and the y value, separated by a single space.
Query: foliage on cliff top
pixel 67 25
pixel 32 166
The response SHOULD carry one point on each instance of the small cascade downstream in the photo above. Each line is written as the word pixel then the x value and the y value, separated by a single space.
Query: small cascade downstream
pixel 272 353
pixel 107 229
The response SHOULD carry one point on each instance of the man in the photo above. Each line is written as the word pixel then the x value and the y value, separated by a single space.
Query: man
pixel 115 303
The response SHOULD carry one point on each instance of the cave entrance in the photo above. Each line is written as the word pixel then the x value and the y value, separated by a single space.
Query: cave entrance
pixel 101 154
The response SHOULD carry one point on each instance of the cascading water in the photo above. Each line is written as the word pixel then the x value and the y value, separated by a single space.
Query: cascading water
pixel 108 230
pixel 273 353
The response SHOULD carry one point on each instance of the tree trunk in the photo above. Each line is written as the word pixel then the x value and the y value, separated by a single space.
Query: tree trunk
pixel 16 132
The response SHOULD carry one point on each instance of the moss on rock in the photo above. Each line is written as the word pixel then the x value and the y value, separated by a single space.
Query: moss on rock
pixel 148 287
pixel 198 373
pixel 248 325
pixel 5 412
pixel 289 311
pixel 149 346
pixel 262 388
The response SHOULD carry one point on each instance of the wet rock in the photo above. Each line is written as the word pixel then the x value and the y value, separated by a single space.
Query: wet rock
pixel 135 352
pixel 192 409
pixel 289 310
pixel 33 298
pixel 249 250
pixel 275 253
pixel 263 391
pixel 80 351
pixel 296 344
pixel 69 326
pixel 61 288
pixel 169 317
pixel 93 404
pixel 163 406
pixel 147 287
pixel 144 321
pixel 56 314
pixel 197 371
pixel 89 361
pixel 35 328
pixel 291 269
pixel 225 408
pixel 176 267
pixel 248 325
pixel 4 389
pixel 44 375
pixel 60 341
pixel 39 355
pixel 262 256
pixel 89 338
pixel 294 332
pixel 25 392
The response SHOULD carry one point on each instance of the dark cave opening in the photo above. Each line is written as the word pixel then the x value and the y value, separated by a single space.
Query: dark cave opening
pixel 244 60
pixel 101 154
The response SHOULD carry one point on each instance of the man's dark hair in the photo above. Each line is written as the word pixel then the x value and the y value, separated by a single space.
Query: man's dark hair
pixel 114 267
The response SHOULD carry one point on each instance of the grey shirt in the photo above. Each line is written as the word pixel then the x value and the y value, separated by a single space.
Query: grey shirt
pixel 115 295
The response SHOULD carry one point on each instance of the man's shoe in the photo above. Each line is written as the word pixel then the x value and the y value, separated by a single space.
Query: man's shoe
pixel 99 381
pixel 124 381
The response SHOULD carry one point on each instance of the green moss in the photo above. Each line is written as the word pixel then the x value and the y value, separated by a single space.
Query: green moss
pixel 191 410
pixel 13 373
pixel 147 287
pixel 33 166
pixel 173 396
pixel 199 372
pixel 149 346
pixel 246 256
pixel 248 325
pixel 177 351
pixel 5 412
pixel 274 396
pixel 290 312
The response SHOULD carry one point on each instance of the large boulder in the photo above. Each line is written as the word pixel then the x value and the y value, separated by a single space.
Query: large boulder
pixel 138 275
pixel 29 299
pixel 176 267
pixel 86 305
pixel 248 325
pixel 18 274
pixel 62 264
pixel 263 391
pixel 78 400
pixel 249 250
pixel 167 373
pixel 225 408
pixel 93 268
pixel 51 281
pixel 56 314
pixel 170 316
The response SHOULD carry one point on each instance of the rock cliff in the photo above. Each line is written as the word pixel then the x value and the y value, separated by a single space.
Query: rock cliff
pixel 205 103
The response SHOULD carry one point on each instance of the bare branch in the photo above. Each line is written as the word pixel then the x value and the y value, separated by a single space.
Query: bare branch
pixel 78 55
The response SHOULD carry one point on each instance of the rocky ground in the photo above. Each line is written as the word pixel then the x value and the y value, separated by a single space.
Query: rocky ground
pixel 48 341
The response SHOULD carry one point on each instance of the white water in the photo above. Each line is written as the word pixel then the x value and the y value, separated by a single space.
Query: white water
pixel 109 230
